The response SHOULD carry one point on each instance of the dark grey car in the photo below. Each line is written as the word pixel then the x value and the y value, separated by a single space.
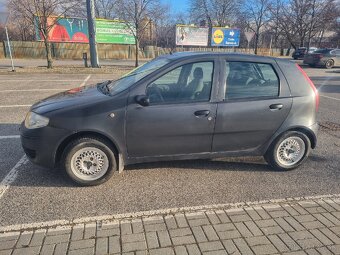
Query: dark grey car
pixel 327 58
pixel 180 106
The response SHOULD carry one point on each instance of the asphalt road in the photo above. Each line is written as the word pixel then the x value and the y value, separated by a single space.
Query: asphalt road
pixel 39 194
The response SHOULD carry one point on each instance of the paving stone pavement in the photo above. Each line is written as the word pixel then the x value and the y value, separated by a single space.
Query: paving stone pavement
pixel 288 226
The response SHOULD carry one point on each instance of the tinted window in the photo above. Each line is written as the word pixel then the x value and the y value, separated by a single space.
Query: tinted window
pixel 324 51
pixel 187 83
pixel 246 80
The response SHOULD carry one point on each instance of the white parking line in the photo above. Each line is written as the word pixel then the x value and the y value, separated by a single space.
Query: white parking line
pixel 86 79
pixel 9 136
pixel 16 80
pixel 163 212
pixel 338 99
pixel 11 176
pixel 31 90
pixel 15 105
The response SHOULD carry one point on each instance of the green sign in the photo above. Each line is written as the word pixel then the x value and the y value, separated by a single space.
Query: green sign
pixel 110 31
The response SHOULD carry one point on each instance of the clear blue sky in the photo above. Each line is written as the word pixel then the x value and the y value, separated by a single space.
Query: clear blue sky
pixel 177 5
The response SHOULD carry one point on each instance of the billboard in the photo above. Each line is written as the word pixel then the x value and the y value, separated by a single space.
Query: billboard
pixel 225 37
pixel 191 36
pixel 111 31
pixel 64 30
pixel 76 30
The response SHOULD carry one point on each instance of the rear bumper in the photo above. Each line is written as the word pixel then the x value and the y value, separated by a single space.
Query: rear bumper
pixel 40 145
pixel 314 131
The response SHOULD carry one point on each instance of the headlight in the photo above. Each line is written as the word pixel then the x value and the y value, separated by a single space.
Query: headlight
pixel 34 120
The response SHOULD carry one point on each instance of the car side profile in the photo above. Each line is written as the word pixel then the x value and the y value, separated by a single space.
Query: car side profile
pixel 179 106
pixel 327 58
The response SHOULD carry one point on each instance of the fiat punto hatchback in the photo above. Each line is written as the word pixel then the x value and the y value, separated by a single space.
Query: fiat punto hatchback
pixel 179 106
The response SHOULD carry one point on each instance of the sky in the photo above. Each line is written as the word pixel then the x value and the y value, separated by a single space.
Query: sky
pixel 177 6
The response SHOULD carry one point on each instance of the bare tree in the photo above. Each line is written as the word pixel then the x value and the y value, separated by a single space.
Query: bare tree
pixel 138 16
pixel 44 14
pixel 105 8
pixel 302 20
pixel 257 15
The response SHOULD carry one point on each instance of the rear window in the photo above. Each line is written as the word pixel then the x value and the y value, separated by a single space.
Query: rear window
pixel 250 80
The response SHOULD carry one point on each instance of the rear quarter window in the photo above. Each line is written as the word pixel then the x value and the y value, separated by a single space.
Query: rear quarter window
pixel 251 80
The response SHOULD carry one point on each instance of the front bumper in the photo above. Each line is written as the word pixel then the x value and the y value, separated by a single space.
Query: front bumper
pixel 41 144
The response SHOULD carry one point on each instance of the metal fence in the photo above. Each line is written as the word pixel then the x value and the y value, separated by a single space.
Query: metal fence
pixel 25 49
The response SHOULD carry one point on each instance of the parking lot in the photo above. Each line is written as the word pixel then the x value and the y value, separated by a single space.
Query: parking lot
pixel 29 193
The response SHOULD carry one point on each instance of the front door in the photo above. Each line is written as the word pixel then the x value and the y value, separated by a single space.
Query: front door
pixel 180 117
pixel 257 101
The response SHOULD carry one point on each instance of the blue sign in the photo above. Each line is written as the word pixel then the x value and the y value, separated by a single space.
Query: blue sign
pixel 225 37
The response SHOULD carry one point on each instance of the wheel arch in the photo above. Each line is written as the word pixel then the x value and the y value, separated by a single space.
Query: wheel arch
pixel 95 134
pixel 311 136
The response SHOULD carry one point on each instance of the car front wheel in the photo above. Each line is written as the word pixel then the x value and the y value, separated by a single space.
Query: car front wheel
pixel 289 151
pixel 89 161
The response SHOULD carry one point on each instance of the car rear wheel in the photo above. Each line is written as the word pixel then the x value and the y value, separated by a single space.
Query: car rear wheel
pixel 329 64
pixel 89 161
pixel 289 151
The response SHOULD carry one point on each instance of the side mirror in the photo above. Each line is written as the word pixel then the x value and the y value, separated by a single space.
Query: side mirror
pixel 143 100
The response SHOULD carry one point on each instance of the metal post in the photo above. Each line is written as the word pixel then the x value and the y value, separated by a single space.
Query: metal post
pixel 92 33
pixel 9 49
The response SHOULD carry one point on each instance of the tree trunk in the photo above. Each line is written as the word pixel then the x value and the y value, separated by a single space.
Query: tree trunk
pixel 48 54
pixel 137 51
pixel 256 43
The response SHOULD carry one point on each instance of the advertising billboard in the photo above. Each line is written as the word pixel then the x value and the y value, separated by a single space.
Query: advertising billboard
pixel 225 37
pixel 76 30
pixel 191 36
pixel 65 30
pixel 111 31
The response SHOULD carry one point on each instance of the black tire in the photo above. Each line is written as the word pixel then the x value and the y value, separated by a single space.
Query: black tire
pixel 97 144
pixel 329 64
pixel 271 155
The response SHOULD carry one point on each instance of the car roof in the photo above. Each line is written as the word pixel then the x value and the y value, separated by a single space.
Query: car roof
pixel 198 54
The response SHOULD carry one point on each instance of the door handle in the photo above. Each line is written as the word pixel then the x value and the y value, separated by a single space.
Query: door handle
pixel 275 107
pixel 202 113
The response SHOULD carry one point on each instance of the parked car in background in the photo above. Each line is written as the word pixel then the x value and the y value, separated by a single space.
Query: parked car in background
pixel 327 58
pixel 181 106
pixel 302 51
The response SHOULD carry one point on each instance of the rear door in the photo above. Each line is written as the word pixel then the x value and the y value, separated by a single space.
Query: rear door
pixel 181 116
pixel 256 102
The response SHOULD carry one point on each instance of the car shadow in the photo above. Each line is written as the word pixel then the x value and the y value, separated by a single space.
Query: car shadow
pixel 35 176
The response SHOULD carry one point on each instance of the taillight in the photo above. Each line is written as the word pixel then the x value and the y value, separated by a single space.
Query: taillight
pixel 317 99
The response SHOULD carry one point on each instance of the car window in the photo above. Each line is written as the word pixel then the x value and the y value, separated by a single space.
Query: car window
pixel 250 80
pixel 187 83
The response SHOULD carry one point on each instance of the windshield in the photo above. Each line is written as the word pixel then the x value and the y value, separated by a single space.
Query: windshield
pixel 135 75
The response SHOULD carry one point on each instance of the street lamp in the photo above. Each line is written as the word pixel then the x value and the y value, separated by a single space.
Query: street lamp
pixel 3 21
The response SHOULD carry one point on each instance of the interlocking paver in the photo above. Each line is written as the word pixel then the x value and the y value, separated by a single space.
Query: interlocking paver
pixel 27 251
pixel 199 234
pixel 102 246
pixel 293 227
pixel 47 249
pixel 181 250
pixel 181 220
pixel 210 233
pixel 162 251
pixel 152 240
pixel 211 246
pixel 82 244
pixel 164 238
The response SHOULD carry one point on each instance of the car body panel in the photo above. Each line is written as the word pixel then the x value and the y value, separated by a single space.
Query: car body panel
pixel 172 131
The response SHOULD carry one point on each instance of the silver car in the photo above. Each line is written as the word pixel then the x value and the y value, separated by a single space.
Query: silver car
pixel 327 58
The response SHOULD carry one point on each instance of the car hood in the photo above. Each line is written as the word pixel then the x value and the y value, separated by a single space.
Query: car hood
pixel 73 97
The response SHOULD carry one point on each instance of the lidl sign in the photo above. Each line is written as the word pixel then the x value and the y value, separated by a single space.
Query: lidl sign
pixel 225 37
